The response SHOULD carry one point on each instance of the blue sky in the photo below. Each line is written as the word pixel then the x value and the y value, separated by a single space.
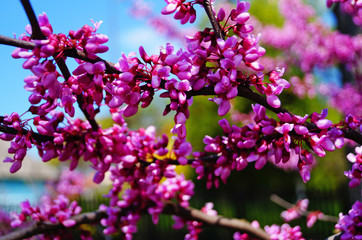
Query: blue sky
pixel 125 33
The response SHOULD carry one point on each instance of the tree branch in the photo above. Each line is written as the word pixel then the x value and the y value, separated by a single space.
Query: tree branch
pixel 217 221
pixel 36 31
pixel 243 91
pixel 16 42
pixel 36 136
pixel 170 208
pixel 71 52
pixel 45 227
pixel 211 15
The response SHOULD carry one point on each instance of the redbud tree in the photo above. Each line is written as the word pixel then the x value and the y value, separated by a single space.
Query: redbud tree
pixel 224 61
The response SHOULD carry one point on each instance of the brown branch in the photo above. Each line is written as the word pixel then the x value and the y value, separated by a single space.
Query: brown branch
pixel 217 221
pixel 71 52
pixel 36 136
pixel 75 53
pixel 352 135
pixel 170 208
pixel 335 237
pixel 16 42
pixel 285 204
pixel 36 31
pixel 46 227
pixel 211 15
pixel 243 91
pixel 246 92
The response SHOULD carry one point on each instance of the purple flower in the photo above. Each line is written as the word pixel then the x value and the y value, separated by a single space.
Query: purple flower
pixel 350 224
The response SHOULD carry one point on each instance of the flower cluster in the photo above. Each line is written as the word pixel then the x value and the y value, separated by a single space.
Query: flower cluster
pixel 146 193
pixel 137 82
pixel 58 210
pixel 194 227
pixel 350 224
pixel 20 142
pixel 295 211
pixel 141 78
pixel 346 99
pixel 284 232
pixel 299 209
pixel 352 7
pixel 221 62
pixel 281 142
pixel 355 174
pixel 308 43
pixel 5 222
pixel 45 83
pixel 185 11
pixel 70 184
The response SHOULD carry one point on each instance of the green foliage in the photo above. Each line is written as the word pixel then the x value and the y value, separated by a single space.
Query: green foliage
pixel 203 121
pixel 267 12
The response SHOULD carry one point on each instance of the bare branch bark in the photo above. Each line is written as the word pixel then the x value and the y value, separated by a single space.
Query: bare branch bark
pixel 16 42
pixel 36 32
pixel 36 136
pixel 170 208
pixel 211 15
pixel 46 227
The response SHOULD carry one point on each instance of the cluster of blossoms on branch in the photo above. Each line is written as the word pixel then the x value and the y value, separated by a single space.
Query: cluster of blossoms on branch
pixel 223 61
pixel 58 210
pixel 136 82
pixel 300 209
pixel 275 232
pixel 352 7
pixel 162 24
pixel 308 43
pixel 70 184
pixel 282 142
pixel 350 224
pixel 346 99
pixel 355 174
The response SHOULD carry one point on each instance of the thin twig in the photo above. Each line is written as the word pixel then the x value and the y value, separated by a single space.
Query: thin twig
pixel 285 204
